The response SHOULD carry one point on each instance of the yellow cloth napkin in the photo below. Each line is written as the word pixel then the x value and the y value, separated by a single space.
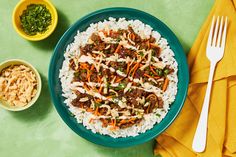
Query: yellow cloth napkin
pixel 221 138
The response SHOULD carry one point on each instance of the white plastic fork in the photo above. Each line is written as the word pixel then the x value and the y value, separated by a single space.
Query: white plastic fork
pixel 214 52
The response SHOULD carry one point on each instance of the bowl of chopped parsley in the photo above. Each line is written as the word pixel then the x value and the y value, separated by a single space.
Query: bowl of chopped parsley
pixel 34 20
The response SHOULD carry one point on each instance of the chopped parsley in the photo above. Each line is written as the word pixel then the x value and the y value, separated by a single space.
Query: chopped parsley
pixel 35 19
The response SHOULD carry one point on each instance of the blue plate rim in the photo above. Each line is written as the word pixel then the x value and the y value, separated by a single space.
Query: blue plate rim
pixel 186 71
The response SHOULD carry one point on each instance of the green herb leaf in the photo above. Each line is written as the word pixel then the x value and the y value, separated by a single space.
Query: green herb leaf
pixel 76 74
pixel 166 71
pixel 159 72
pixel 35 19
pixel 141 53
pixel 120 86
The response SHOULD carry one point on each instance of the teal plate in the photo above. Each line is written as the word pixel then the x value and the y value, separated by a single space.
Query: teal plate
pixel 57 60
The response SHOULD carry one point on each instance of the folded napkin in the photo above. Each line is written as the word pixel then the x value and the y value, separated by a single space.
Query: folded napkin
pixel 221 137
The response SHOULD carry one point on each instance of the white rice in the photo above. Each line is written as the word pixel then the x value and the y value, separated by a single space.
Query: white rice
pixel 66 76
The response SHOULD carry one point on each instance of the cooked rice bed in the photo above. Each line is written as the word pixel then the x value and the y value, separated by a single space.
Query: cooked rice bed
pixel 126 42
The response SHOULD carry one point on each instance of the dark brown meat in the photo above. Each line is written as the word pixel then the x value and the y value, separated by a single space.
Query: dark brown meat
pixel 156 51
pixel 160 103
pixel 152 98
pixel 79 104
pixel 128 124
pixel 101 46
pixel 113 48
pixel 72 64
pixel 94 37
pixel 113 65
pixel 152 40
pixel 86 49
pixel 83 77
pixel 103 110
pixel 139 73
pixel 143 45
pixel 115 35
pixel 93 77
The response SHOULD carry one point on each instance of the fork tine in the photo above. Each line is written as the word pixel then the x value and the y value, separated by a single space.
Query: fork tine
pixel 215 32
pixel 220 32
pixel 211 32
pixel 224 33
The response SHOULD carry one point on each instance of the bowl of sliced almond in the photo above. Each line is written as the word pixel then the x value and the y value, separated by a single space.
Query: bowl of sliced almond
pixel 20 85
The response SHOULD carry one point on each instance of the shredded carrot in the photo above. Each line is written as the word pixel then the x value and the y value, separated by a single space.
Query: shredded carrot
pixel 92 67
pixel 108 97
pixel 111 123
pixel 119 79
pixel 84 65
pixel 123 121
pixel 96 111
pixel 100 89
pixel 131 120
pixel 156 77
pixel 165 84
pixel 89 110
pixel 127 69
pixel 153 70
pixel 95 89
pixel 105 33
pixel 91 120
pixel 147 75
pixel 99 79
pixel 140 65
pixel 97 100
pixel 135 69
pixel 154 45
pixel 104 122
pixel 86 88
pixel 114 123
pixel 148 44
pixel 136 65
pixel 132 36
pixel 88 75
pixel 113 128
pixel 118 48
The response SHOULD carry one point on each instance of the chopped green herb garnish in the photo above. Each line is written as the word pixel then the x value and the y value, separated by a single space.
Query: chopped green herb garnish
pixel 97 104
pixel 118 39
pixel 158 115
pixel 166 71
pixel 159 72
pixel 120 86
pixel 153 52
pixel 152 59
pixel 141 53
pixel 35 19
pixel 83 70
pixel 77 74
pixel 120 69
pixel 130 90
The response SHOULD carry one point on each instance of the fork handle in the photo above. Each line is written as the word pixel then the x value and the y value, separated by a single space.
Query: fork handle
pixel 199 140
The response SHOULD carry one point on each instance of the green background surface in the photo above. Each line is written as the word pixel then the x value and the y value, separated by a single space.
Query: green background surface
pixel 39 131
